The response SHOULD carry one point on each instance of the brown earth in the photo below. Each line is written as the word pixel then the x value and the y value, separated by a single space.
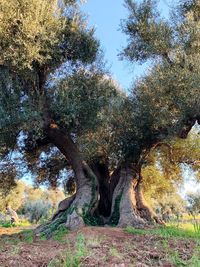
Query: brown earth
pixel 104 246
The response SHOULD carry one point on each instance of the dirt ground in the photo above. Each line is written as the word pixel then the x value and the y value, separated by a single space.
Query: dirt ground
pixel 106 247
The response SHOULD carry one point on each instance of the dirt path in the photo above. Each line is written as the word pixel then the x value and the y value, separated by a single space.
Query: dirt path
pixel 104 247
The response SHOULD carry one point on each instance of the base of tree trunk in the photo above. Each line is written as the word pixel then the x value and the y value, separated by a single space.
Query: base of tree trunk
pixel 128 207
pixel 73 212
pixel 124 210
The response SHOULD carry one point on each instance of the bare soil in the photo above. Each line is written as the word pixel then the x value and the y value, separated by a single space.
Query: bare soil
pixel 106 247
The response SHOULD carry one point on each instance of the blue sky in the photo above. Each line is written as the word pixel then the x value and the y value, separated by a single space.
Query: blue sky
pixel 105 16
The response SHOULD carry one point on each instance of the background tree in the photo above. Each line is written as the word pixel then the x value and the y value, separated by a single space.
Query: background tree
pixel 193 203
pixel 14 199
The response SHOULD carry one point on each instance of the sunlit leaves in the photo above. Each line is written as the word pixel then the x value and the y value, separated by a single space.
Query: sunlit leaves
pixel 77 102
pixel 30 32
pixel 43 33
pixel 149 34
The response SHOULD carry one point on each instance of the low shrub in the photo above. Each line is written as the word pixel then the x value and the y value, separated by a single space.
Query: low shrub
pixel 37 210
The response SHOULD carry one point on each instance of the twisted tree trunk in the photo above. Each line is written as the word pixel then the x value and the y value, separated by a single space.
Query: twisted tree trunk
pixel 124 209
pixel 129 207
pixel 118 197
pixel 74 212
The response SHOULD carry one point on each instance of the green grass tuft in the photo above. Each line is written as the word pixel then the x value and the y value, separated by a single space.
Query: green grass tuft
pixel 60 233
pixel 167 232
pixel 28 235
pixel 8 224
pixel 72 258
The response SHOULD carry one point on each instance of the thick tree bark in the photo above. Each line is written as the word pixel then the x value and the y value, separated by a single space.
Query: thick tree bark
pixel 81 206
pixel 124 210
pixel 63 206
pixel 77 210
pixel 129 207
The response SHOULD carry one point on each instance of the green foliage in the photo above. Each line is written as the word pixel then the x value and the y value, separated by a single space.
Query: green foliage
pixel 38 33
pixel 36 23
pixel 8 224
pixel 14 198
pixel 34 203
pixel 37 38
pixel 77 102
pixel 155 182
pixel 163 174
pixel 167 97
pixel 51 196
pixel 37 210
pixel 149 34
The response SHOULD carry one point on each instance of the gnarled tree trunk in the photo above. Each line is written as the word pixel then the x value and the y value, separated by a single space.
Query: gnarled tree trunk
pixel 118 198
pixel 124 209
pixel 129 207
pixel 74 212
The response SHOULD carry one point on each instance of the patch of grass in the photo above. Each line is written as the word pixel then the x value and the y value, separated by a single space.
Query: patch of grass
pixel 166 232
pixel 72 258
pixel 27 236
pixel 176 260
pixel 43 238
pixel 15 250
pixel 132 230
pixel 174 231
pixel 115 253
pixel 8 224
pixel 196 226
pixel 60 233
pixel 94 242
